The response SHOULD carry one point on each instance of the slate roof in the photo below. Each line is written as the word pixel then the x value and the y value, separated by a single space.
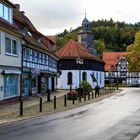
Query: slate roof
pixel 73 50
pixel 111 59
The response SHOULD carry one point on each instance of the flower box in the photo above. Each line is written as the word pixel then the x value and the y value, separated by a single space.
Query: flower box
pixel 72 95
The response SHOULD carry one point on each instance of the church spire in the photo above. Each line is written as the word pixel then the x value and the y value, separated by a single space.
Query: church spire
pixel 86 37
pixel 85 14
pixel 85 22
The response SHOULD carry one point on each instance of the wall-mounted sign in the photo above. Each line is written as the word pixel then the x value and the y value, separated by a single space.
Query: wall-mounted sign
pixel 35 71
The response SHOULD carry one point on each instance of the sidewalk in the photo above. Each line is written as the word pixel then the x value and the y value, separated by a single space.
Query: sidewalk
pixel 31 101
pixel 10 113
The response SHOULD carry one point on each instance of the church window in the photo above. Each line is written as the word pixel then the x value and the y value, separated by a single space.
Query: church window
pixel 69 78
pixel 84 76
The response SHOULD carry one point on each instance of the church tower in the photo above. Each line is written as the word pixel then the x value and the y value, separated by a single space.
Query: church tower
pixel 86 37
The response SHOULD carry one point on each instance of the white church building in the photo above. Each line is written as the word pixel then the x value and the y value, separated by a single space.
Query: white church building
pixel 78 61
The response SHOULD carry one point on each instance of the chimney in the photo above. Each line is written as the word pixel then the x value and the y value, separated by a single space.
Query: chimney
pixel 17 6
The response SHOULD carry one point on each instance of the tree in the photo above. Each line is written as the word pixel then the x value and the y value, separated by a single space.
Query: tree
pixel 115 35
pixel 133 54
pixel 100 46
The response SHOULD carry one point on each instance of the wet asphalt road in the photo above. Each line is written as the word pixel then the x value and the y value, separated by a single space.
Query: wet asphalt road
pixel 114 118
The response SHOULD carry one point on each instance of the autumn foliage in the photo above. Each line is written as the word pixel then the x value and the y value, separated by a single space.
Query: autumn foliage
pixel 133 54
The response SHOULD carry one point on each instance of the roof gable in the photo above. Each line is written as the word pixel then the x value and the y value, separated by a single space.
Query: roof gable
pixel 73 50
pixel 111 59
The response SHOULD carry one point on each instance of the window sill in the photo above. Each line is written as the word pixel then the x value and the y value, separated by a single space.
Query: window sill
pixel 13 55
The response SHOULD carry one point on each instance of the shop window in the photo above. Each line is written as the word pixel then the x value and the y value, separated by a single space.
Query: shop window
pixel 34 84
pixel 25 85
pixel 10 85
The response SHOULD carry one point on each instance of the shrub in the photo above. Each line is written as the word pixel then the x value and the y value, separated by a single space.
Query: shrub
pixel 86 85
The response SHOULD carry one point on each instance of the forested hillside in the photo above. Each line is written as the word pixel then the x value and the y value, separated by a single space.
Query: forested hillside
pixel 116 36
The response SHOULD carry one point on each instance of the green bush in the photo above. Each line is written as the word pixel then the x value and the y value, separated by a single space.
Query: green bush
pixel 86 85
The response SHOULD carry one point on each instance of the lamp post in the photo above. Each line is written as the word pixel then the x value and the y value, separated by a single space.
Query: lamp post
pixel 80 62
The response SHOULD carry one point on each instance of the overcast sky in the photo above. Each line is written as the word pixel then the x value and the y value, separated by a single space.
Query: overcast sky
pixel 53 16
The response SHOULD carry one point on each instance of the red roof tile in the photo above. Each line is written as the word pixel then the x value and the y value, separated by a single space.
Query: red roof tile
pixel 111 59
pixel 49 44
pixel 73 50
pixel 52 38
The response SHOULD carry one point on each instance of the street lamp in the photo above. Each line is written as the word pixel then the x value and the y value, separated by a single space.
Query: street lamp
pixel 21 87
pixel 80 62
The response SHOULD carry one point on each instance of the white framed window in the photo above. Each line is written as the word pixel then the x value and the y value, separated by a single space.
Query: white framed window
pixel 6 13
pixel 11 46
pixel 27 54
pixel 33 56
pixel 41 60
pixel 46 60
pixel 38 57
pixel 1 10
pixel 24 53
pixel 43 57
pixel 30 54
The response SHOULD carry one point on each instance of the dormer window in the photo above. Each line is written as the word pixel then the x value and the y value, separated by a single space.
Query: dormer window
pixel 6 13
pixel 39 40
pixel 26 32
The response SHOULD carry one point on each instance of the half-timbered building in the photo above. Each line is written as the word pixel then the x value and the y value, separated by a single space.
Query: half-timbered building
pixel 116 69
pixel 27 62
pixel 39 63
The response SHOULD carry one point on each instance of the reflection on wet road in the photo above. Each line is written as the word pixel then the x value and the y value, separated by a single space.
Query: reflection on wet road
pixel 112 118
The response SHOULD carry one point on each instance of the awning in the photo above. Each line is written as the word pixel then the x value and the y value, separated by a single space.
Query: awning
pixel 49 73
